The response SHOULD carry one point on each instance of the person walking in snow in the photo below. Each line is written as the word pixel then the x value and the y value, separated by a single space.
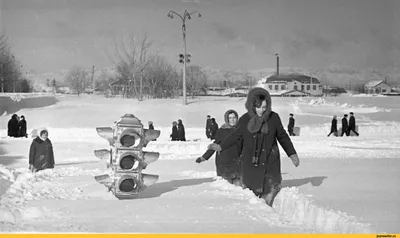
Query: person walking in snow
pixel 22 127
pixel 41 155
pixel 260 129
pixel 345 126
pixel 291 125
pixel 151 126
pixel 214 128
pixel 227 162
pixel 333 126
pixel 208 127
pixel 12 127
pixel 352 125
pixel 181 131
pixel 174 135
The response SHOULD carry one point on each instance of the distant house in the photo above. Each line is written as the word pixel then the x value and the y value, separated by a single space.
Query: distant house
pixel 377 87
pixel 293 85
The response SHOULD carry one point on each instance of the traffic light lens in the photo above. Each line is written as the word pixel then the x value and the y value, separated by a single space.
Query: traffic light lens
pixel 127 140
pixel 127 185
pixel 128 162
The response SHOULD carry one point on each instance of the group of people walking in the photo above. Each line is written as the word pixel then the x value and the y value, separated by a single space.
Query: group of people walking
pixel 347 126
pixel 17 126
pixel 247 147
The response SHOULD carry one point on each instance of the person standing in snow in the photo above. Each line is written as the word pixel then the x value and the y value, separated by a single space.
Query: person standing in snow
pixel 41 154
pixel 181 131
pixel 345 126
pixel 12 129
pixel 291 125
pixel 333 126
pixel 352 125
pixel 214 128
pixel 208 127
pixel 174 135
pixel 227 162
pixel 260 129
pixel 151 126
pixel 22 127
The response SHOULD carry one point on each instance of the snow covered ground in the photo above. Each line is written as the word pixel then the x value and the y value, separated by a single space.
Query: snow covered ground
pixel 343 185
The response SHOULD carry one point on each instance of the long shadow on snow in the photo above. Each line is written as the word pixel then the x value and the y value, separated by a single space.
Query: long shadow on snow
pixel 315 181
pixel 158 189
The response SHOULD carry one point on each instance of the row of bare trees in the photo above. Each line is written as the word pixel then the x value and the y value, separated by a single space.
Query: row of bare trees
pixel 11 73
pixel 140 72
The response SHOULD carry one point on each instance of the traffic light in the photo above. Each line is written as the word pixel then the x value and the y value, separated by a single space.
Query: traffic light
pixel 181 58
pixel 188 58
pixel 126 157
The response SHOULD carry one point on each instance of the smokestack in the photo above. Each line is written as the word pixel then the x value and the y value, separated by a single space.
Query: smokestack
pixel 277 63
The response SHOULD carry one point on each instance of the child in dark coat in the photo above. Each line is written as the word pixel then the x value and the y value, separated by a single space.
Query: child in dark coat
pixel 41 155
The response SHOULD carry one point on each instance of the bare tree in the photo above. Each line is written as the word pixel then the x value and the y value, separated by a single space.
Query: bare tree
pixel 131 57
pixel 197 80
pixel 78 79
pixel 160 78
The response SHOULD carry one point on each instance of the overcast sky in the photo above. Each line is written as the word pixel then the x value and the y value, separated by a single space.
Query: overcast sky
pixel 49 35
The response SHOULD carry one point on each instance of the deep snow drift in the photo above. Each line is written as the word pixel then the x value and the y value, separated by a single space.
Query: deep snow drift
pixel 343 185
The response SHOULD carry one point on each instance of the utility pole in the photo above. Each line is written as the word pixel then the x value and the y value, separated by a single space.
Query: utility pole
pixel 186 15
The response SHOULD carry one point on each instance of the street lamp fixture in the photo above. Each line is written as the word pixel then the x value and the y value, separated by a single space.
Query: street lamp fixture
pixel 186 15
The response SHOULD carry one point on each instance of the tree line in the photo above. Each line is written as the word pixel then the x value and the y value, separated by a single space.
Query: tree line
pixel 140 72
pixel 12 78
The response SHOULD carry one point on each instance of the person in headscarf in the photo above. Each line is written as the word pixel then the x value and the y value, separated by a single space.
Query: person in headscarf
pixel 41 155
pixel 260 129
pixel 227 162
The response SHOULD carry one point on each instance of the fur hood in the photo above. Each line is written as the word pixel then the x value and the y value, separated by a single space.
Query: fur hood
pixel 251 97
pixel 227 125
pixel 257 123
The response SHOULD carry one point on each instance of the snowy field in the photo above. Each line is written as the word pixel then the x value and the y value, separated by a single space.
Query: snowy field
pixel 343 185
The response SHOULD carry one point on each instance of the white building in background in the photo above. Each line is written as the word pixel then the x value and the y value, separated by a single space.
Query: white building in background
pixel 292 85
pixel 377 87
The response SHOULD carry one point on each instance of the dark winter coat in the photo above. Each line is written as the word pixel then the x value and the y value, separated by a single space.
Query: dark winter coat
pixel 13 126
pixel 174 135
pixel 291 123
pixel 181 132
pixel 151 127
pixel 334 125
pixel 22 128
pixel 214 129
pixel 41 154
pixel 208 128
pixel 254 172
pixel 352 123
pixel 227 162
pixel 345 126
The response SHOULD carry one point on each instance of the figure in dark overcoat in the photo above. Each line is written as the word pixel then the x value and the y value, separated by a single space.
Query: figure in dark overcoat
pixel 333 126
pixel 41 155
pixel 181 131
pixel 227 162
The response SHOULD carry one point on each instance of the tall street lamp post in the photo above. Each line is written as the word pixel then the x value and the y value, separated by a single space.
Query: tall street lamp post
pixel 186 15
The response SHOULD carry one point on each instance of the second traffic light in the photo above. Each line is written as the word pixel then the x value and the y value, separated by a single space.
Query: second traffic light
pixel 182 58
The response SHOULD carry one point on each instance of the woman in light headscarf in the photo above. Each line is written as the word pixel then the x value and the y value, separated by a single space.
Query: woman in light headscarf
pixel 41 155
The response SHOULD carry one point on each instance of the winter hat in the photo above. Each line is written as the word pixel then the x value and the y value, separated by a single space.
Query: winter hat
pixel 257 123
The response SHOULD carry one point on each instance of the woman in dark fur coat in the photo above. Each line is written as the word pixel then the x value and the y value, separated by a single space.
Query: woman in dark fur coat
pixel 260 129
pixel 41 154
pixel 227 162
